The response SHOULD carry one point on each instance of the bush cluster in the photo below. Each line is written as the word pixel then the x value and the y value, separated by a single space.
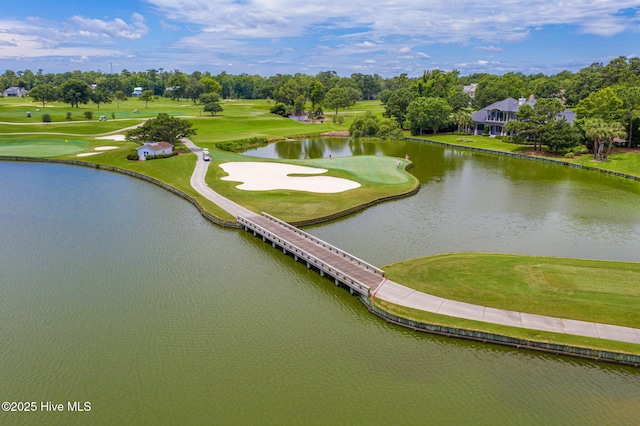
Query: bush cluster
pixel 242 144
pixel 575 150
pixel 281 110
pixel 134 156
pixel 157 157
pixel 370 126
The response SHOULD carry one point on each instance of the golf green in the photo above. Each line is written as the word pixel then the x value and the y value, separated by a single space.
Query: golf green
pixel 41 147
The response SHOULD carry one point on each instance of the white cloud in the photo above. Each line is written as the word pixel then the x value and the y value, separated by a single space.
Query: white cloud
pixel 116 28
pixel 490 48
pixel 289 35
pixel 168 27
pixel 435 20
pixel 37 38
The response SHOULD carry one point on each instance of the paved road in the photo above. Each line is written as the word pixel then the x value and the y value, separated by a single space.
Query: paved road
pixel 405 296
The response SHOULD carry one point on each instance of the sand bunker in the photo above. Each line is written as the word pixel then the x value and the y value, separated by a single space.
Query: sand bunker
pixel 270 176
pixel 87 154
pixel 112 137
pixel 105 148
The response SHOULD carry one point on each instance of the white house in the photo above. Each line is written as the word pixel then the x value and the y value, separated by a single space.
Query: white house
pixel 14 92
pixel 151 149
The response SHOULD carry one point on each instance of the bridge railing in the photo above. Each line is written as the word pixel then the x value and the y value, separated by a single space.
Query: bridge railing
pixel 369 267
pixel 336 273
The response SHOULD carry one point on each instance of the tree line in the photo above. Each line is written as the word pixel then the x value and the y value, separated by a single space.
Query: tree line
pixel 428 103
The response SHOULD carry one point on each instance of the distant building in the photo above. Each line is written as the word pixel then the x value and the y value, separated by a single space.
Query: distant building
pixel 15 92
pixel 470 90
pixel 137 91
pixel 152 149
pixel 496 115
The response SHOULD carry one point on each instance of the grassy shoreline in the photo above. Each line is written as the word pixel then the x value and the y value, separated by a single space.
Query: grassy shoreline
pixel 577 289
pixel 507 331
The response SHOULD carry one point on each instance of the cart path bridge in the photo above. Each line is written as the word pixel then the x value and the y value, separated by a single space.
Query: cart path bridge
pixel 356 274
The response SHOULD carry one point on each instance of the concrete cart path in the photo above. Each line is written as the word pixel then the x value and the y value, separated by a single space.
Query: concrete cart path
pixel 199 184
pixel 400 295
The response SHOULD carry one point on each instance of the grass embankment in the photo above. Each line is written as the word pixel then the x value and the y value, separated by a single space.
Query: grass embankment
pixel 587 290
pixel 624 162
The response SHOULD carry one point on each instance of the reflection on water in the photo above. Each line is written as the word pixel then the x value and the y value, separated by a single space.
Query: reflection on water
pixel 479 202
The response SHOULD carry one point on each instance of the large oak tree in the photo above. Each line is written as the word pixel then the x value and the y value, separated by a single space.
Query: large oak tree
pixel 163 128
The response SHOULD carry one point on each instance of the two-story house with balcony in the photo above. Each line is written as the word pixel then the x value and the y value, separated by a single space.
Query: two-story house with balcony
pixel 491 119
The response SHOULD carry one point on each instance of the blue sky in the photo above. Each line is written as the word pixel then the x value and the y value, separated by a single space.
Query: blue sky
pixel 267 37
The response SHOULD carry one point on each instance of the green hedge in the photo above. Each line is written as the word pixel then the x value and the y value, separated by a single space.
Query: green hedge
pixel 242 144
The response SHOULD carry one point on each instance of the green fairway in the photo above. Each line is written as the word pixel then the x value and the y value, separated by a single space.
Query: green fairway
pixel 587 290
pixel 41 147
pixel 14 110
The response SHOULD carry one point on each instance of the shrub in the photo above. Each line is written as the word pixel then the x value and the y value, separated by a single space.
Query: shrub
pixel 68 117
pixel 134 156
pixel 242 144
pixel 279 109
pixel 580 149
pixel 88 115
pixel 46 118
pixel 113 115
pixel 160 156
pixel 338 119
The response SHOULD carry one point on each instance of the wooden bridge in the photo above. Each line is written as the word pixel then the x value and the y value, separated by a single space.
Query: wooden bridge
pixel 356 274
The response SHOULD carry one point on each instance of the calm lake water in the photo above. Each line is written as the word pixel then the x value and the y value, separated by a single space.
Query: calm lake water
pixel 116 292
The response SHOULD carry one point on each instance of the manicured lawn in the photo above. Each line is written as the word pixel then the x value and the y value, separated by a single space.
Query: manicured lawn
pixel 85 127
pixel 248 118
pixel 628 163
pixel 41 147
pixel 379 176
pixel 478 142
pixel 588 290
pixel 14 110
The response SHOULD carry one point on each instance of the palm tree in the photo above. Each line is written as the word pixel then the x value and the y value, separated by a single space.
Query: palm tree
pixel 615 130
pixel 596 129
pixel 463 120
pixel 603 131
